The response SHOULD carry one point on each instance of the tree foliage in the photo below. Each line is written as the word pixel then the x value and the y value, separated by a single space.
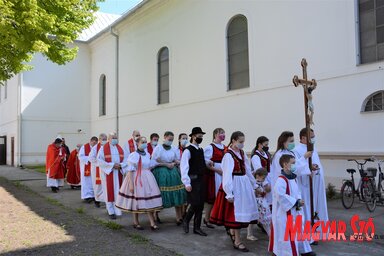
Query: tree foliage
pixel 46 26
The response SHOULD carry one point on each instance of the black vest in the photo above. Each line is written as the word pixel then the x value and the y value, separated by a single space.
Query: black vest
pixel 197 161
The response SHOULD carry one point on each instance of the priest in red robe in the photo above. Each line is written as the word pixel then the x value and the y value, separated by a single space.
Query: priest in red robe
pixel 73 169
pixel 55 165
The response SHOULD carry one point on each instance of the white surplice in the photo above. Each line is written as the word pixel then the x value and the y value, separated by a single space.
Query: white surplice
pixel 97 188
pixel 240 188
pixel 282 203
pixel 208 152
pixel 107 168
pixel 319 194
pixel 86 181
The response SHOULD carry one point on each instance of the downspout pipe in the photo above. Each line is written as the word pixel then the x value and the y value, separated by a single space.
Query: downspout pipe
pixel 19 120
pixel 117 78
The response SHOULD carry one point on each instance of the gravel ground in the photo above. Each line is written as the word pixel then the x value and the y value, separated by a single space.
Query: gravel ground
pixel 33 225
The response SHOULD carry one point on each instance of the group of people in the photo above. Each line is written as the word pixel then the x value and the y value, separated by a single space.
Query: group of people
pixel 233 190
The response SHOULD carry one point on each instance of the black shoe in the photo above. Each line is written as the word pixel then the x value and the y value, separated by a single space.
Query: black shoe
pixel 73 187
pixel 54 189
pixel 186 227
pixel 97 204
pixel 112 216
pixel 199 232
pixel 89 200
pixel 315 243
pixel 207 224
pixel 179 222
pixel 309 254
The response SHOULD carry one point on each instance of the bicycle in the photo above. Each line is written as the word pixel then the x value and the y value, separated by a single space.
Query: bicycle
pixel 348 189
pixel 374 195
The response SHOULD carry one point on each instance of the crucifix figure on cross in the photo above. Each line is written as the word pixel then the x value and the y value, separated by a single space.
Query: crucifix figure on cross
pixel 308 86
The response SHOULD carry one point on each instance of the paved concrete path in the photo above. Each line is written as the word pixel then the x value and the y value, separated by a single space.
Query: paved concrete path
pixel 217 243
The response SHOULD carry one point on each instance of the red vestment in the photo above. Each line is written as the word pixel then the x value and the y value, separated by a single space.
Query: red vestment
pixel 73 167
pixel 54 165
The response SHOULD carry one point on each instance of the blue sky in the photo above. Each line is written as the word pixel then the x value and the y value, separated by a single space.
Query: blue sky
pixel 117 6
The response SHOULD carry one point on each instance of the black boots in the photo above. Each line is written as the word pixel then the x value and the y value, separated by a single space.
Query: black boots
pixel 197 224
pixel 187 218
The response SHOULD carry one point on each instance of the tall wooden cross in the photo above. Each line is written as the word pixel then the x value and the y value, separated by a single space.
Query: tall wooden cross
pixel 308 86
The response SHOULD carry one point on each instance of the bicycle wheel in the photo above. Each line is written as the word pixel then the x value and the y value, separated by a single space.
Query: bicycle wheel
pixel 347 194
pixel 369 193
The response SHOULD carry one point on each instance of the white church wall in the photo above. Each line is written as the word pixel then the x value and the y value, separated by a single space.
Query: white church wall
pixel 8 116
pixel 103 62
pixel 55 101
pixel 195 33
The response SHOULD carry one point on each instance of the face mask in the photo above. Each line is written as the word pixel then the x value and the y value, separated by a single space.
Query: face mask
pixel 168 142
pixel 143 146
pixel 114 141
pixel 222 137
pixel 265 148
pixel 199 140
pixel 103 142
pixel 183 142
pixel 154 143
pixel 240 145
pixel 313 140
pixel 291 145
pixel 293 168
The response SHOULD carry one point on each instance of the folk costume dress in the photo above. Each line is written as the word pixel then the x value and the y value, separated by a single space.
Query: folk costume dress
pixel 172 189
pixel 85 170
pixel 98 177
pixel 215 153
pixel 285 195
pixel 146 196
pixel 54 166
pixel 106 158
pixel 259 160
pixel 239 185
pixel 73 167
pixel 265 216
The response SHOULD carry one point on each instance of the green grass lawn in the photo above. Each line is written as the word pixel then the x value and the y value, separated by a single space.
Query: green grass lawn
pixel 37 168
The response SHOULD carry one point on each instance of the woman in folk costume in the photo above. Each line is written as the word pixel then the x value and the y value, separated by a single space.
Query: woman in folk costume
pixel 183 142
pixel 168 176
pixel 285 146
pixel 261 158
pixel 213 155
pixel 113 163
pixel 139 192
pixel 236 206
pixel 73 168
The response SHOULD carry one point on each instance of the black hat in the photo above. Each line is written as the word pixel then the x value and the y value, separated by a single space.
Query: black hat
pixel 57 141
pixel 196 130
